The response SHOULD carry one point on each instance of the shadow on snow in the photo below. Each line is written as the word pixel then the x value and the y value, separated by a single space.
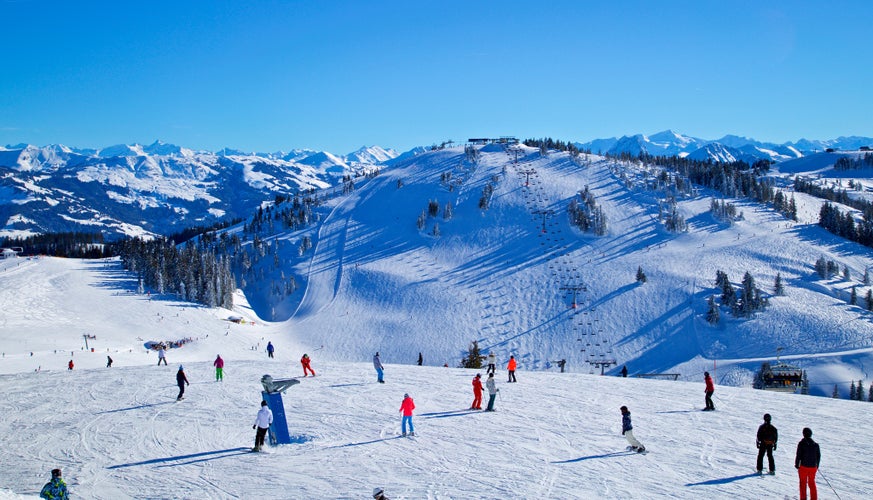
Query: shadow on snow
pixel 219 454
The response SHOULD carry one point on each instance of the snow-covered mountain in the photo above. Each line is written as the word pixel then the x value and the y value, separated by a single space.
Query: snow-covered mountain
pixel 157 188
pixel 669 143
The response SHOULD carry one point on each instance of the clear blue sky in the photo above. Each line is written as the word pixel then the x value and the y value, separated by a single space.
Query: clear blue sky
pixel 336 75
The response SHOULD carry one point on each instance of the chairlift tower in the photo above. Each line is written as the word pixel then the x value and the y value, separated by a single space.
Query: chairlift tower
pixel 527 174
pixel 575 289
pixel 603 364
pixel 545 213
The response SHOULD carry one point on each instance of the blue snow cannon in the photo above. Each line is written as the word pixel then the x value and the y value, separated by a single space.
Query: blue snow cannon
pixel 272 394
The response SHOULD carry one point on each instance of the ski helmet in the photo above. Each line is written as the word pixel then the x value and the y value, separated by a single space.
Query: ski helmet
pixel 180 367
pixel 377 491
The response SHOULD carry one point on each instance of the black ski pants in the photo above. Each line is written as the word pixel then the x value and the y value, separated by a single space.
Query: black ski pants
pixel 709 405
pixel 768 449
pixel 260 435
pixel 181 391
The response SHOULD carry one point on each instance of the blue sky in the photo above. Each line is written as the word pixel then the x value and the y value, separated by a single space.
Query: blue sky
pixel 337 75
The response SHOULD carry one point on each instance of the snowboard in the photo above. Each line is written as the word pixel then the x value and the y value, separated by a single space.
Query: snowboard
pixel 645 451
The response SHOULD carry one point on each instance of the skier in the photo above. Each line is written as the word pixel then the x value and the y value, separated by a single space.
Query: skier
pixel 420 359
pixel 56 489
pixel 108 362
pixel 379 494
pixel 492 363
pixel 492 391
pixel 766 443
pixel 624 371
pixel 162 355
pixel 270 349
pixel 262 424
pixel 377 364
pixel 406 408
pixel 710 388
pixel 627 429
pixel 511 368
pixel 305 362
pixel 70 365
pixel 806 462
pixel 477 392
pixel 181 380
pixel 219 368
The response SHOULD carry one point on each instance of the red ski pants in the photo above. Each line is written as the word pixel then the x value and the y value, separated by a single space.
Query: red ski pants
pixel 807 477
pixel 477 400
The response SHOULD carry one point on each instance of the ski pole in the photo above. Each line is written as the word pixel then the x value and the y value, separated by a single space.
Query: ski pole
pixel 829 484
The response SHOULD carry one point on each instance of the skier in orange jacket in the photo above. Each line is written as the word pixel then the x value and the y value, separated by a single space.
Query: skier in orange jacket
pixel 510 367
pixel 305 362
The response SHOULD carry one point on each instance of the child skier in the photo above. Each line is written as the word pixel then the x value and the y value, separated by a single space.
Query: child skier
pixel 406 408
pixel 627 429
pixel 477 392
pixel 305 362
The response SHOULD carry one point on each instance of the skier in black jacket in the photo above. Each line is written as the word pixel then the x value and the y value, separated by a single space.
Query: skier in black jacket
pixel 766 443
pixel 806 462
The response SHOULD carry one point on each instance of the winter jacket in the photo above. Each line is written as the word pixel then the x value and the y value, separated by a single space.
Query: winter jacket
pixel 492 359
pixel 808 453
pixel 161 353
pixel 491 385
pixel 219 363
pixel 511 365
pixel 181 378
pixel 377 363
pixel 264 418
pixel 56 489
pixel 305 361
pixel 626 422
pixel 710 387
pixel 767 434
pixel 269 347
pixel 407 406
pixel 477 385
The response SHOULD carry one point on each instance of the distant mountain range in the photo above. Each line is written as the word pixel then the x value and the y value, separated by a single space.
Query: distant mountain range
pixel 728 148
pixel 155 189
pixel 160 188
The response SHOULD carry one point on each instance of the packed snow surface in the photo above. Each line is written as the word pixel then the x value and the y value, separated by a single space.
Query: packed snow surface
pixel 119 433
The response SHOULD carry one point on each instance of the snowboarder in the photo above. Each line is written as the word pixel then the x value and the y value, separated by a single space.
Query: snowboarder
pixel 70 365
pixel 492 391
pixel 624 371
pixel 511 368
pixel 108 362
pixel 806 462
pixel 262 424
pixel 420 359
pixel 710 389
pixel 477 392
pixel 305 362
pixel 56 489
pixel 406 408
pixel 182 381
pixel 379 494
pixel 270 349
pixel 492 363
pixel 219 368
pixel 377 364
pixel 162 355
pixel 627 429
pixel 766 443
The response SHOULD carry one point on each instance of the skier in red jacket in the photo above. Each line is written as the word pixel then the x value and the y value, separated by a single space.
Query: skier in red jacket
pixel 406 408
pixel 305 362
pixel 477 392
pixel 710 388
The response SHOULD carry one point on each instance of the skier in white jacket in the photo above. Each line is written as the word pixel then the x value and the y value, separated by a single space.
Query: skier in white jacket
pixel 262 423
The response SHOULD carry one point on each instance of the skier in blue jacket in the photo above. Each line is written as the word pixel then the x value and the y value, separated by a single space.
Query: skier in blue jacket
pixel 56 489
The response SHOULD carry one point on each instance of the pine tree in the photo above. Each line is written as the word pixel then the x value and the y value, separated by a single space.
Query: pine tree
pixel 712 314
pixel 853 298
pixel 641 276
pixel 846 272
pixel 859 393
pixel 869 300
pixel 852 393
pixel 836 394
pixel 778 288
pixel 473 359
pixel 870 394
pixel 866 279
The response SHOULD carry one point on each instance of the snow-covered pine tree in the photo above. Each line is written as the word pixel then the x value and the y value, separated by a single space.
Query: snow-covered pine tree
pixel 778 287
pixel 712 314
